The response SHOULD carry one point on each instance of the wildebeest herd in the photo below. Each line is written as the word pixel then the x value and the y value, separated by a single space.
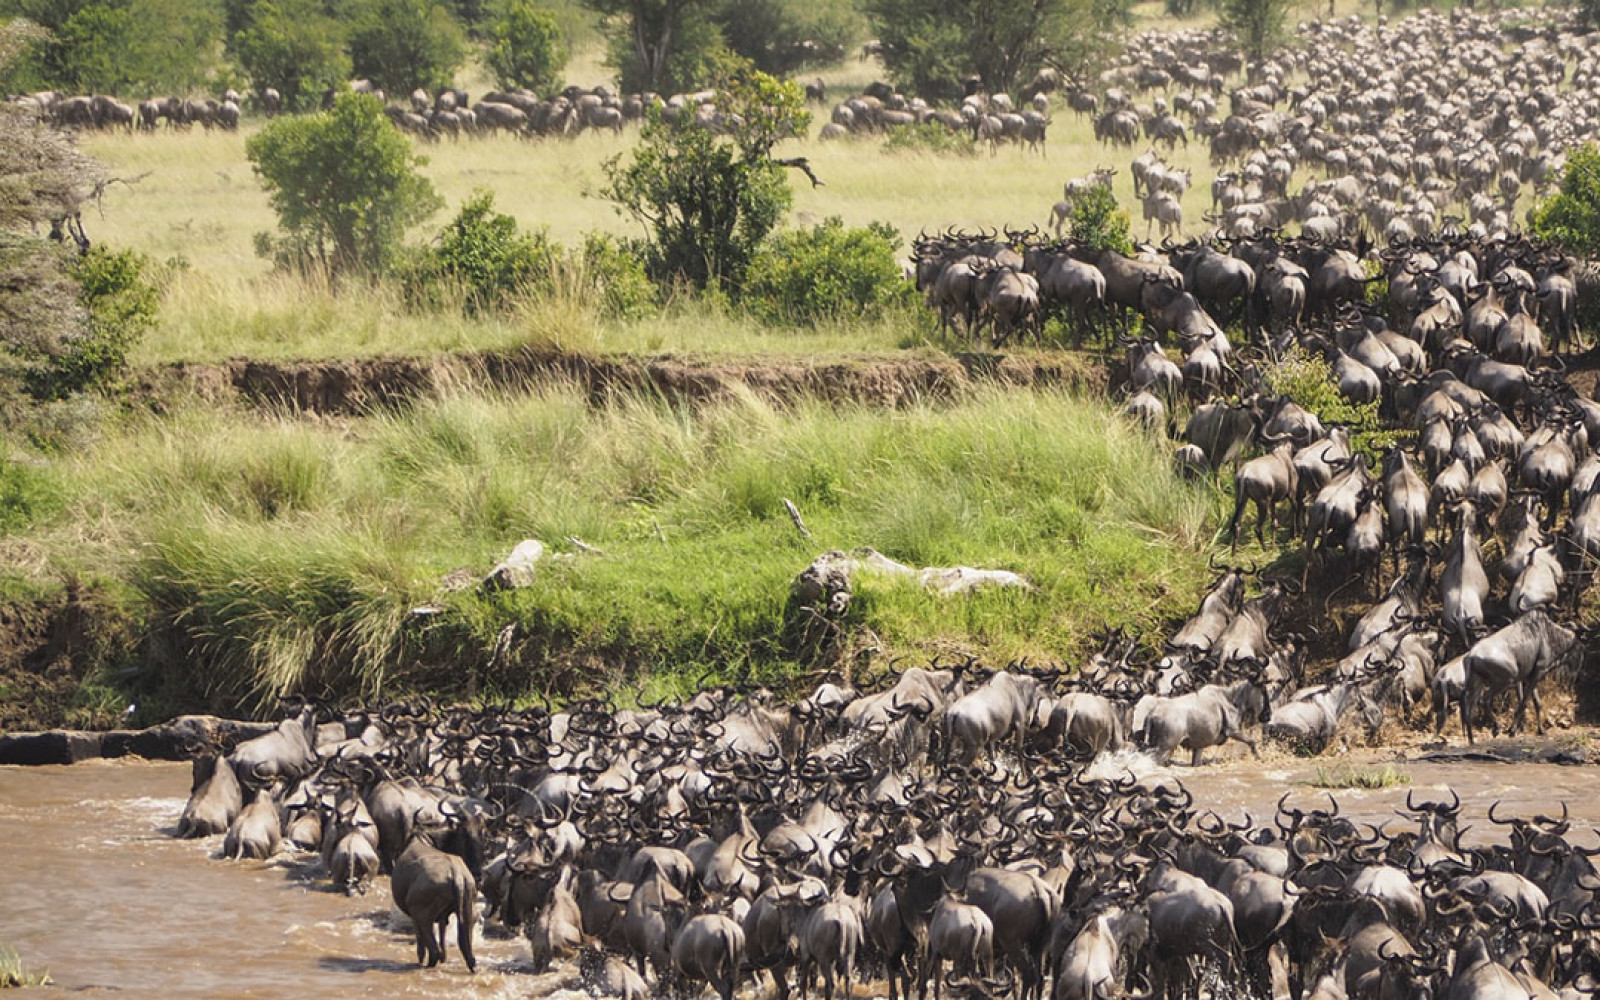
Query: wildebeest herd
pixel 943 827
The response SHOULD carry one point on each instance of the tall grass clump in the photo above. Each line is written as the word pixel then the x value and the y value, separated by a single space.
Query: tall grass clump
pixel 15 975
pixel 276 555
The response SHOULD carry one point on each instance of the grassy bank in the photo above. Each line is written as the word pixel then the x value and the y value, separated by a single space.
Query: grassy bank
pixel 276 555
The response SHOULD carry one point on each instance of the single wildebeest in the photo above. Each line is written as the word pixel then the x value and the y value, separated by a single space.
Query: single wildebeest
pixel 433 880
pixel 214 801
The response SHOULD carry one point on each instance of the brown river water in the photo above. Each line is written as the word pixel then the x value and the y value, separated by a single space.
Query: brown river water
pixel 99 894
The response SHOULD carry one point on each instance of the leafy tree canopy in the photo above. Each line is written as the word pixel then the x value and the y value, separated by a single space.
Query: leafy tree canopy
pixel 345 186
pixel 1572 218
pixel 401 45
pixel 929 46
pixel 294 47
pixel 526 47
pixel 708 200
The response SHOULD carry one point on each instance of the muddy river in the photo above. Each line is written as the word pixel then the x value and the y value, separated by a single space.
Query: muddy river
pixel 99 894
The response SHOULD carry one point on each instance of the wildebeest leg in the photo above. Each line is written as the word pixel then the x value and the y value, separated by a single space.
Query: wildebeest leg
pixel 464 935
pixel 442 935
pixel 1238 513
pixel 1194 756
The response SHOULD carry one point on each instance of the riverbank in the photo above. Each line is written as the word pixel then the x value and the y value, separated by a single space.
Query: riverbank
pixel 233 552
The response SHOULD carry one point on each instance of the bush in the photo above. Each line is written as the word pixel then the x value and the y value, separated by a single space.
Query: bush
pixel 666 46
pixel 1309 381
pixel 481 254
pixel 708 200
pixel 929 137
pixel 1098 223
pixel 344 184
pixel 783 36
pixel 827 274
pixel 401 45
pixel 119 304
pixel 615 271
pixel 526 48
pixel 1572 218
pixel 482 261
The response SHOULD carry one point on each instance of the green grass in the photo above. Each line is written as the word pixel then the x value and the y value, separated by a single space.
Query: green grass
pixel 13 975
pixel 1349 776
pixel 280 554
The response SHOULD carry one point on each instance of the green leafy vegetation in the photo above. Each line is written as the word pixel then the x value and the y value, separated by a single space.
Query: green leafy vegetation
pixel 401 45
pixel 930 137
pixel 1571 218
pixel 931 46
pixel 526 47
pixel 94 46
pixel 344 184
pixel 276 555
pixel 708 200
pixel 119 305
pixel 294 47
pixel 1257 24
pixel 483 263
pixel 1309 381
pixel 1096 221
pixel 827 274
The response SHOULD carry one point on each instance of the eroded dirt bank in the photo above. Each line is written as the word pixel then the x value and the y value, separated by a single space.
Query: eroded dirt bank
pixel 345 387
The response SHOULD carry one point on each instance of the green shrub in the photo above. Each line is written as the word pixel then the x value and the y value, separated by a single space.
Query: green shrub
pixel 1098 222
pixel 404 44
pixel 1309 381
pixel 119 304
pixel 615 271
pixel 708 200
pixel 930 137
pixel 826 274
pixel 345 186
pixel 484 255
pixel 1572 218
pixel 484 263
pixel 294 47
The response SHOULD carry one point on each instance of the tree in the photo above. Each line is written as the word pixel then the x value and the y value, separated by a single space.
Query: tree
pixel 660 45
pixel 929 46
pixel 68 313
pixel 117 46
pixel 1572 218
pixel 1257 24
pixel 708 200
pixel 293 47
pixel 344 184
pixel 783 36
pixel 526 47
pixel 401 45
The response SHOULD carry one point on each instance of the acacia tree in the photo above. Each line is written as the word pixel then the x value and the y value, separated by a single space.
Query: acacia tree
pixel 929 46
pixel 706 199
pixel 1256 24
pixel 344 184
